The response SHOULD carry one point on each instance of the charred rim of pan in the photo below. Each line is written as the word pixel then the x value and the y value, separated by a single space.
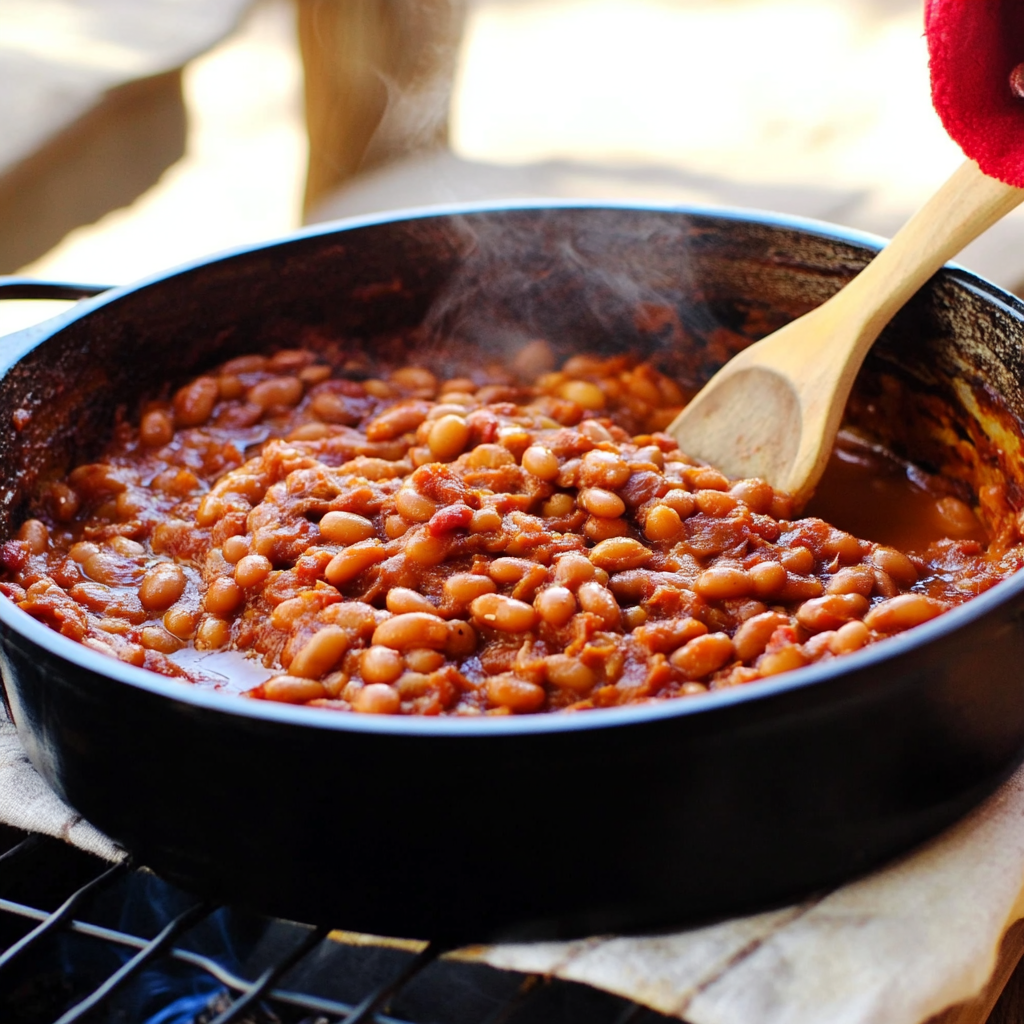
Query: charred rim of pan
pixel 1007 591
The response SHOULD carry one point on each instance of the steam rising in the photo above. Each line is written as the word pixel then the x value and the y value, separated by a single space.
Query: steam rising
pixel 597 280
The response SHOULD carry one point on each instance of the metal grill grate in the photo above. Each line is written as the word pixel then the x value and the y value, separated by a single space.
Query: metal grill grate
pixel 81 941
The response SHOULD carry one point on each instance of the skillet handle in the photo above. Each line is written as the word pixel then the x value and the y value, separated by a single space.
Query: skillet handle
pixel 28 288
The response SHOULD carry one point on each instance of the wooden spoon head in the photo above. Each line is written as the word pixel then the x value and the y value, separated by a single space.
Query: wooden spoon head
pixel 773 410
pixel 747 423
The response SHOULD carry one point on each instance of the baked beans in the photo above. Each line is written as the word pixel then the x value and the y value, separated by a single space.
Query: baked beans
pixel 484 544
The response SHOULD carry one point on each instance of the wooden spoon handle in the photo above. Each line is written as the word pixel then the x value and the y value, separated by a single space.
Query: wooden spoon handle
pixel 773 410
pixel 968 203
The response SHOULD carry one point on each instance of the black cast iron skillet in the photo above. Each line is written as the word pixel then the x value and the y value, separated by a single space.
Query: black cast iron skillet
pixel 546 825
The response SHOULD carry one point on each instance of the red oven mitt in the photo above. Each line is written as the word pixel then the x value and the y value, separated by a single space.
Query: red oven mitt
pixel 976 50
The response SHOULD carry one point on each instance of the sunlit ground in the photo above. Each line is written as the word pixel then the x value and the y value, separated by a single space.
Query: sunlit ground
pixel 816 91
pixel 802 93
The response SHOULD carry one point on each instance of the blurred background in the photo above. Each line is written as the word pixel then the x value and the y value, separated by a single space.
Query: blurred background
pixel 139 134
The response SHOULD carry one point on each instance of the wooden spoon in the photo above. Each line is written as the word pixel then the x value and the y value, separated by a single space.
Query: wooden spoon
pixel 774 409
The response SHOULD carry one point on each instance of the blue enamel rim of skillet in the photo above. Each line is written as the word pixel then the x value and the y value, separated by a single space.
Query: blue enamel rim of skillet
pixel 17 345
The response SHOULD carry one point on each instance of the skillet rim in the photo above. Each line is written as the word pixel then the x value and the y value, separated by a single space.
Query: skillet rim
pixel 20 343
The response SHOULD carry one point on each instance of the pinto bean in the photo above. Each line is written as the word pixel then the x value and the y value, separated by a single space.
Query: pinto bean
pixel 345 528
pixel 569 673
pixel 414 506
pixel 412 629
pixel 156 638
pixel 448 437
pixel 426 548
pixel 509 570
pixel 223 596
pixel 462 588
pixel 599 600
pixel 831 611
pixel 377 699
pixel 320 653
pixel 396 421
pixel 703 655
pixel 957 516
pixel 662 523
pixel 332 408
pixel 290 359
pixel 851 636
pixel 252 570
pixel 896 564
pixel 181 622
pixel 156 428
pixel 620 553
pixel 903 612
pixel 768 578
pixel 555 605
pixel 753 635
pixel 381 664
pixel 800 588
pixel 885 585
pixel 415 378
pixel 213 632
pixel 798 560
pixel 251 363
pixel 348 564
pixel 234 549
pixel 541 462
pixel 285 391
pixel 423 659
pixel 756 494
pixel 843 546
pixel 504 613
pixel 35 534
pixel 604 470
pixel 583 393
pixel 489 456
pixel 722 582
pixel 357 618
pixel 785 659
pixel 598 529
pixel 509 691
pixel 462 639
pixel 402 599
pixel 485 520
pixel 855 579
pixel 715 503
pixel 293 690
pixel 111 569
pixel 162 585
pixel 602 503
pixel 193 404
pixel 681 502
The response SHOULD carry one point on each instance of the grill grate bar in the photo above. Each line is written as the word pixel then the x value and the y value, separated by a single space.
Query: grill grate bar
pixel 60 915
pixel 526 991
pixel 630 1013
pixel 230 980
pixel 262 984
pixel 27 845
pixel 150 950
pixel 373 1008
pixel 365 1011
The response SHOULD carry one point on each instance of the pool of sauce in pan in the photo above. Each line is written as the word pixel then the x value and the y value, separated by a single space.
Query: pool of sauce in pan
pixel 870 493
pixel 865 490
